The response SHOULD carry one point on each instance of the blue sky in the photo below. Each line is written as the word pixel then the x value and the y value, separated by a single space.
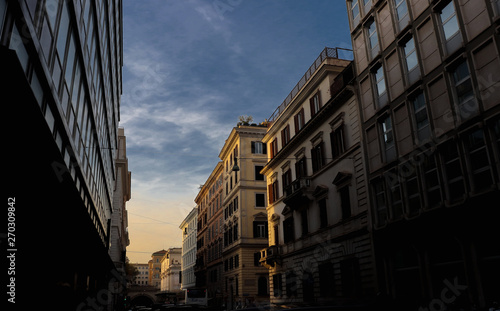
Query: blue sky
pixel 191 68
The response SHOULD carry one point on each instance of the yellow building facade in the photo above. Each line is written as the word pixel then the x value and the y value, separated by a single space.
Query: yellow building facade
pixel 245 219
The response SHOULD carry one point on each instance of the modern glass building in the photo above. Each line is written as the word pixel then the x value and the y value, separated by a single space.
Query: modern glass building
pixel 61 69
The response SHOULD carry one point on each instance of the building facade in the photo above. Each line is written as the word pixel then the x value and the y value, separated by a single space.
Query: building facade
pixel 61 75
pixel 171 270
pixel 142 278
pixel 119 237
pixel 319 243
pixel 245 221
pixel 210 237
pixel 429 87
pixel 189 227
pixel 155 268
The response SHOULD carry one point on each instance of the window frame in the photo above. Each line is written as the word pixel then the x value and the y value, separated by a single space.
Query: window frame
pixel 418 105
pixel 457 84
pixel 388 139
pixel 315 103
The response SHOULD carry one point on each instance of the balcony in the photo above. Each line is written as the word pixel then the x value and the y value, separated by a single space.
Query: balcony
pixel 298 193
pixel 270 256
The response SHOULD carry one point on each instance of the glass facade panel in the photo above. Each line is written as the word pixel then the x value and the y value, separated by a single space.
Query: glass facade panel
pixel 401 9
pixel 463 90
pixel 410 55
pixel 449 21
pixel 63 30
pixel 421 118
pixel 372 34
pixel 379 77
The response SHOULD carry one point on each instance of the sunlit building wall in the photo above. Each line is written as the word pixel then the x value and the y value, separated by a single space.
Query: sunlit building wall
pixel 319 244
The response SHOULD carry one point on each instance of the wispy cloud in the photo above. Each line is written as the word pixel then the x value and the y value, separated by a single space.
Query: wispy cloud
pixel 191 67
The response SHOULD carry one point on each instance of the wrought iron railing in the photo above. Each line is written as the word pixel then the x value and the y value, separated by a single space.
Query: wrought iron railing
pixel 338 53
pixel 296 185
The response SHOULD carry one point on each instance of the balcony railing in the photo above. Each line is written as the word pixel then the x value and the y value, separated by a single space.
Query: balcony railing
pixel 270 256
pixel 337 53
pixel 296 185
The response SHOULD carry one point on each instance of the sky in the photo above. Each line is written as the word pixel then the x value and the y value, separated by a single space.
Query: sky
pixel 191 68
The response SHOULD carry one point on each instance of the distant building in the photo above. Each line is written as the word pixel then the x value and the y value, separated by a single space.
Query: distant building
pixel 245 230
pixel 319 243
pixel 155 268
pixel 189 237
pixel 171 270
pixel 119 237
pixel 429 86
pixel 141 279
pixel 208 268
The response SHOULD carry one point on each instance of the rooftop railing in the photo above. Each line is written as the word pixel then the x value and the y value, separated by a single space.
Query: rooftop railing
pixel 337 53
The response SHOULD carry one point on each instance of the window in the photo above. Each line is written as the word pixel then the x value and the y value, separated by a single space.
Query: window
pixel 449 21
pixel 337 141
pixel 260 200
pixel 288 230
pixel 301 168
pixel 380 201
pixel 278 285
pixel 256 259
pixel 258 147
pixel 345 202
pixel 285 136
pixel 276 235
pixel 421 118
pixel 323 215
pixel 373 39
pixel 315 103
pixel 380 82
pixel 410 54
pixel 258 175
pixel 401 10
pixel 235 232
pixel 395 195
pixel 367 5
pixel 463 90
pixel 273 191
pixel 236 261
pixel 317 156
pixel 260 229
pixel 287 181
pixel 431 179
pixel 453 171
pixel 355 11
pixel 274 147
pixel 299 120
pixel 479 160
pixel 388 139
pixel 408 170
pixel 304 222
